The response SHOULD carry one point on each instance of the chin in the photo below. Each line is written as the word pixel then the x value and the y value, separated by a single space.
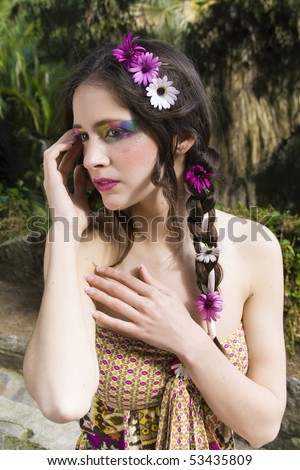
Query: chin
pixel 111 206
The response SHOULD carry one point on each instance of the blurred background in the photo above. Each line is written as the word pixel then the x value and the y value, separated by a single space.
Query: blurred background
pixel 248 55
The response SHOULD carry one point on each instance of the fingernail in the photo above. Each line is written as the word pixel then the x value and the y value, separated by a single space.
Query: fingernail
pixel 100 269
pixel 90 290
pixel 142 266
pixel 88 277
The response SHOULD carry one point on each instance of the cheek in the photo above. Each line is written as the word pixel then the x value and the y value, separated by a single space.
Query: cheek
pixel 139 151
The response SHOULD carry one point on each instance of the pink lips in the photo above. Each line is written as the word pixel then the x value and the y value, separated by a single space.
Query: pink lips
pixel 105 184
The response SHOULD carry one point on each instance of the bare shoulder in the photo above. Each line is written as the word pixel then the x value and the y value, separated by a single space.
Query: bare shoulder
pixel 248 236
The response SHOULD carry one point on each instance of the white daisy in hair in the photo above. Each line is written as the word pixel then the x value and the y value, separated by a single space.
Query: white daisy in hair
pixel 162 93
pixel 208 253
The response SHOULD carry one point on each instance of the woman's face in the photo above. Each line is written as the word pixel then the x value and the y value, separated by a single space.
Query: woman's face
pixel 118 155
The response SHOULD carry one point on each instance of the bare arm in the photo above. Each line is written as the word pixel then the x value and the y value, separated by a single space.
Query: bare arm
pixel 251 405
pixel 60 366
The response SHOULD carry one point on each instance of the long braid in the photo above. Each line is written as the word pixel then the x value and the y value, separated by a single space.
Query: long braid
pixel 201 223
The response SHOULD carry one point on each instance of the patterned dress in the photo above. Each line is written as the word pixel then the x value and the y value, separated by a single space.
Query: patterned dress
pixel 141 404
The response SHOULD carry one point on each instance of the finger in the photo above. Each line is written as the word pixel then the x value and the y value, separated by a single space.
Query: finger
pixel 126 279
pixel 53 155
pixel 80 180
pixel 55 152
pixel 114 303
pixel 115 324
pixel 149 279
pixel 68 161
pixel 115 290
pixel 58 146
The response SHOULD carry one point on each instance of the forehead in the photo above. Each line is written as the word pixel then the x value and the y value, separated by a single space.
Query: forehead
pixel 97 102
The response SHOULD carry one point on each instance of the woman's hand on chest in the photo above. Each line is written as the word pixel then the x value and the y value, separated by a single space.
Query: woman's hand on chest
pixel 148 310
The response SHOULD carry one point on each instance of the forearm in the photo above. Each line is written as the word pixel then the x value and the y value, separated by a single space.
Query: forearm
pixel 250 409
pixel 60 362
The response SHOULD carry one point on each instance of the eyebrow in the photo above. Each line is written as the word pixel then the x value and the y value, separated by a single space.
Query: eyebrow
pixel 107 121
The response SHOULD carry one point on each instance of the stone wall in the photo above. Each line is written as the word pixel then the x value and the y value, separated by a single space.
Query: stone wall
pixel 22 262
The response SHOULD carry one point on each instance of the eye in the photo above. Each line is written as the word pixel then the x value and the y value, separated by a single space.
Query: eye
pixel 115 133
pixel 81 135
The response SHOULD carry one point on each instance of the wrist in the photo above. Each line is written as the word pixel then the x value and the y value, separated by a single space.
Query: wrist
pixel 62 231
pixel 193 346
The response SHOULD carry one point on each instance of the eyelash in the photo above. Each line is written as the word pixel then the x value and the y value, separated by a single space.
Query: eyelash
pixel 120 133
pixel 82 137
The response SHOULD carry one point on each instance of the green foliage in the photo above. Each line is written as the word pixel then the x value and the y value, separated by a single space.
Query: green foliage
pixel 168 19
pixel 77 26
pixel 28 98
pixel 17 205
pixel 259 35
pixel 286 227
pixel 279 181
pixel 26 117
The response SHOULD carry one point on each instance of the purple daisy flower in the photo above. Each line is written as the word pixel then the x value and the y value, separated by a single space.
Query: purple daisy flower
pixel 198 177
pixel 145 68
pixel 209 305
pixel 127 52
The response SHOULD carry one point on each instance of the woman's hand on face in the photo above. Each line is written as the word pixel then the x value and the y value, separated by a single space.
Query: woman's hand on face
pixel 59 162
pixel 150 311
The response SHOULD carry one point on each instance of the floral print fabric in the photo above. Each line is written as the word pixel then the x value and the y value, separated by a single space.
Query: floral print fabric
pixel 141 404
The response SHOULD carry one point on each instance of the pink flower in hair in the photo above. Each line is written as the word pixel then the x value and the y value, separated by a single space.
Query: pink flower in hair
pixel 198 177
pixel 127 52
pixel 209 305
pixel 145 68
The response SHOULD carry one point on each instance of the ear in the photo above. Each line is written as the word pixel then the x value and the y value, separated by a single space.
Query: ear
pixel 184 143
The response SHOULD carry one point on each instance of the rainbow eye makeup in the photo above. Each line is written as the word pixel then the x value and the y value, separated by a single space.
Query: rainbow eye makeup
pixel 110 131
pixel 118 129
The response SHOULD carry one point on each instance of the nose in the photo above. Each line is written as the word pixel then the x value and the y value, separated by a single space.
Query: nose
pixel 95 155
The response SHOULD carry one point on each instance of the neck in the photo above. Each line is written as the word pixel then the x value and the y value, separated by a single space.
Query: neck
pixel 153 225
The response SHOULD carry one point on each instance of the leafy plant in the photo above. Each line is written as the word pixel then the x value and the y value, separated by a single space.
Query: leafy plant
pixel 14 211
pixel 28 100
pixel 77 25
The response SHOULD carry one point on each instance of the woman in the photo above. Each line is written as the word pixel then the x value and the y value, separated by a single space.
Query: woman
pixel 183 302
